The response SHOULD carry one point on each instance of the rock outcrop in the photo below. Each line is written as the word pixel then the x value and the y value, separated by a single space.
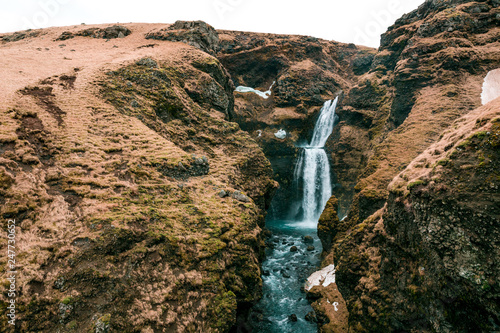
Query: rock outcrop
pixel 195 33
pixel 115 31
pixel 329 224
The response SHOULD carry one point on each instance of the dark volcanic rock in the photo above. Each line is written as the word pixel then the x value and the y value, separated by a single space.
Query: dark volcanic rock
pixel 240 196
pixel 196 33
pixel 308 239
pixel 311 316
pixel 329 224
pixel 147 62
pixel 17 36
pixel 115 31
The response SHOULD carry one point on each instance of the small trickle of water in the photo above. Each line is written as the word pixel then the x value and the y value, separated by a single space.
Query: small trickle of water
pixel 291 255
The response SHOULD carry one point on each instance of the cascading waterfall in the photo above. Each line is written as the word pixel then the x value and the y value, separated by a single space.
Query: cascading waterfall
pixel 315 178
pixel 295 249
pixel 312 171
pixel 324 125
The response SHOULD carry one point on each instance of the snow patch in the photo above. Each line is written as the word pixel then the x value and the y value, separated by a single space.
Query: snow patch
pixel 324 277
pixel 491 86
pixel 281 134
pixel 264 94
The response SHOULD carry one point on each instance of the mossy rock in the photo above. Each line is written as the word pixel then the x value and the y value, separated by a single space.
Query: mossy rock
pixel 329 223
pixel 223 312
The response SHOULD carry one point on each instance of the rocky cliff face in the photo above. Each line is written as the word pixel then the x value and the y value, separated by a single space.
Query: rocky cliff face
pixel 427 72
pixel 427 260
pixel 442 225
pixel 396 102
pixel 417 252
pixel 139 205
pixel 306 72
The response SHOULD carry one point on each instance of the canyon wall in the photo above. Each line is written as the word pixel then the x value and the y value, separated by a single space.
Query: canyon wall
pixel 396 102
pixel 306 72
pixel 418 249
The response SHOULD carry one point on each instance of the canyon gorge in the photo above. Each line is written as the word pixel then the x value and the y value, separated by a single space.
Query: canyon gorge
pixel 179 178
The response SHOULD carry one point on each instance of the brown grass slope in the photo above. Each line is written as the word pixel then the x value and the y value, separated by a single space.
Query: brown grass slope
pixel 113 152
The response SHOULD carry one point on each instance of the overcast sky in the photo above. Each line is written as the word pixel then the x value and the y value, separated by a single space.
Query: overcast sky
pixel 357 21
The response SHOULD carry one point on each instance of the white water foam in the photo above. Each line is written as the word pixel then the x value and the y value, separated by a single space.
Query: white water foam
pixel 324 125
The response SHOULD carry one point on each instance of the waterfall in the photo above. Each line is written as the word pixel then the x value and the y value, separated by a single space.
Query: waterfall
pixel 312 171
pixel 324 125
pixel 294 250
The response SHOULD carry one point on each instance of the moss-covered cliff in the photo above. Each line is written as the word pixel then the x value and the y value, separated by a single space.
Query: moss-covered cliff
pixel 417 251
pixel 427 72
pixel 139 205
pixel 427 261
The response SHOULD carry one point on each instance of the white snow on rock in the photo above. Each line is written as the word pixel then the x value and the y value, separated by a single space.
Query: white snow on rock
pixel 281 134
pixel 264 94
pixel 324 277
pixel 491 86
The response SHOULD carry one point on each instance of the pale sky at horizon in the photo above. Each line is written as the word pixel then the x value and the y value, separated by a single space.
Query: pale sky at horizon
pixel 355 21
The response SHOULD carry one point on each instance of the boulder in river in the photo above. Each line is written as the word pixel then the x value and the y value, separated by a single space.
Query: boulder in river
pixel 308 239
pixel 311 317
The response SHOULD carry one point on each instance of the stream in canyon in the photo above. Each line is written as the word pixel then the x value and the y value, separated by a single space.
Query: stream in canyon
pixel 294 250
